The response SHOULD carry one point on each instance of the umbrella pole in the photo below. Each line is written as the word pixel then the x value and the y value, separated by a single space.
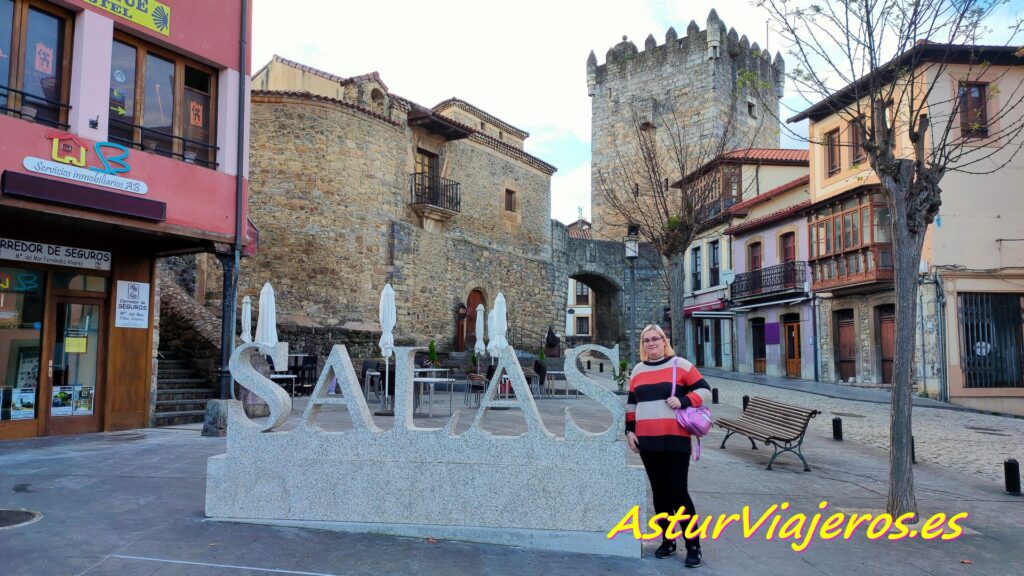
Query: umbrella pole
pixel 384 395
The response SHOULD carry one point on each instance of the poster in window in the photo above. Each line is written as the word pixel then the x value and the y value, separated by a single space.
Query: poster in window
pixel 196 113
pixel 28 368
pixel 84 400
pixel 62 401
pixel 44 59
pixel 75 345
pixel 23 404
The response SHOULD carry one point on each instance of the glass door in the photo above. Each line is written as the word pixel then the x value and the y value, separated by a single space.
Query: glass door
pixel 76 366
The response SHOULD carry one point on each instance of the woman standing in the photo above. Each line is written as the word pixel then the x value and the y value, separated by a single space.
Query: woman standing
pixel 652 429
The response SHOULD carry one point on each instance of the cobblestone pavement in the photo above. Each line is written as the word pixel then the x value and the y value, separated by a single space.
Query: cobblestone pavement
pixel 959 440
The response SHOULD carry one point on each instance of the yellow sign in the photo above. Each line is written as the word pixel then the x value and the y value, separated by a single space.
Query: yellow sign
pixel 75 345
pixel 147 13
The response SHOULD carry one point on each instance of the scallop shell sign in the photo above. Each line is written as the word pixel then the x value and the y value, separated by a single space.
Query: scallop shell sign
pixel 146 13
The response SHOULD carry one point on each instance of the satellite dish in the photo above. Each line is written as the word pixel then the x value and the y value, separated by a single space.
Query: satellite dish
pixel 727 276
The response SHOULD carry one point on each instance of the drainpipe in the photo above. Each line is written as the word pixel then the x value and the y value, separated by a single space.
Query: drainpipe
pixel 920 314
pixel 940 311
pixel 814 334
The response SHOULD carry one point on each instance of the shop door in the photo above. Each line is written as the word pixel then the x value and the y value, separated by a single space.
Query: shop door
pixel 698 342
pixel 760 350
pixel 847 346
pixel 717 342
pixel 793 349
pixel 75 366
pixel 476 298
pixel 887 334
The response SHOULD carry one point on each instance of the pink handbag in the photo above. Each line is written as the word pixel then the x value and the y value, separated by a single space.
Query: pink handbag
pixel 695 420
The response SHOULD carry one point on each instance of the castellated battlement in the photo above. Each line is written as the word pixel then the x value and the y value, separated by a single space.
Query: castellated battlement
pixel 713 46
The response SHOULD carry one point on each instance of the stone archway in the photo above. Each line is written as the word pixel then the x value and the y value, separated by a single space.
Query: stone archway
pixel 606 302
pixel 465 328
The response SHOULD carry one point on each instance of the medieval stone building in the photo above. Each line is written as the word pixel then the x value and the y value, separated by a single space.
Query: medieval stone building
pixel 354 187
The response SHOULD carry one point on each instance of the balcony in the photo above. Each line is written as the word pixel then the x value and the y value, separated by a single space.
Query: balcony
pixel 870 265
pixel 715 208
pixel 436 200
pixel 789 277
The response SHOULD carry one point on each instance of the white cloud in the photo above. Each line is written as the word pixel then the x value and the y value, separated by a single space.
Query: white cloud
pixel 570 190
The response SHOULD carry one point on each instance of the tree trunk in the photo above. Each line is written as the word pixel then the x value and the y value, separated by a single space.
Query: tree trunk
pixel 675 300
pixel 907 247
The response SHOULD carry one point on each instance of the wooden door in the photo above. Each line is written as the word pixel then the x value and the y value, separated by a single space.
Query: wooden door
pixel 887 337
pixel 75 375
pixel 788 249
pixel 846 346
pixel 793 349
pixel 476 298
pixel 760 351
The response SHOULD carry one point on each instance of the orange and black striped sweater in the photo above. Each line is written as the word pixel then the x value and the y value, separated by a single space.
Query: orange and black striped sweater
pixel 647 414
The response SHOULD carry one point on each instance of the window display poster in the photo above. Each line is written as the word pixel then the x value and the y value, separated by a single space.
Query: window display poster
pixel 23 404
pixel 63 401
pixel 132 305
pixel 75 345
pixel 28 367
pixel 84 400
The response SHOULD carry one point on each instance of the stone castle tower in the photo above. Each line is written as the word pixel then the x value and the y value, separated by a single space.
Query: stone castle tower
pixel 696 76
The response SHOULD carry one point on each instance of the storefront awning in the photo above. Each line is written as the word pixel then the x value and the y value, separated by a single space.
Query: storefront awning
pixel 772 303
pixel 41 189
pixel 704 307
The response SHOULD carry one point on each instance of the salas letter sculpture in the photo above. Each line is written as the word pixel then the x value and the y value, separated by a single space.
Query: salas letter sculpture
pixel 536 489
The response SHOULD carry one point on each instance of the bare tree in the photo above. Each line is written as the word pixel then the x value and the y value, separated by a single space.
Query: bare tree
pixel 660 182
pixel 907 71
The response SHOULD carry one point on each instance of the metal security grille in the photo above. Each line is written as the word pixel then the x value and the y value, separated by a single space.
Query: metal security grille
pixel 991 339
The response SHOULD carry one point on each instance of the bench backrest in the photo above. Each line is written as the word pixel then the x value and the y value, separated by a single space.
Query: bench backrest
pixel 790 421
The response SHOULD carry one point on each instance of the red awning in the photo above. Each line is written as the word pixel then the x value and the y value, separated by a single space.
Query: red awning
pixel 706 306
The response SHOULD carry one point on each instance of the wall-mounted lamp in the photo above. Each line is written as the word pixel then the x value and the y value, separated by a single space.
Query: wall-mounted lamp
pixel 94 122
pixel 462 312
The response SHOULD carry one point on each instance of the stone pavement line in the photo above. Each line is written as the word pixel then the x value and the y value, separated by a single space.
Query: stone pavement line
pixel 227 566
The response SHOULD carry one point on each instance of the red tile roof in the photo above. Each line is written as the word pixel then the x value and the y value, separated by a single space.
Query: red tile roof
pixel 580 229
pixel 457 103
pixel 795 155
pixel 768 218
pixel 742 206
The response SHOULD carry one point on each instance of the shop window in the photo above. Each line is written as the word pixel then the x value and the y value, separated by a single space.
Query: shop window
pixel 582 294
pixel 21 315
pixel 35 46
pixel 161 102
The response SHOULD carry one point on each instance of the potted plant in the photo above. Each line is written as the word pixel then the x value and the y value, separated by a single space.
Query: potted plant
pixel 432 354
pixel 621 377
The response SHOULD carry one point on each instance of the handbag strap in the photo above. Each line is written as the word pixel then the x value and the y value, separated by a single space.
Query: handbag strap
pixel 673 393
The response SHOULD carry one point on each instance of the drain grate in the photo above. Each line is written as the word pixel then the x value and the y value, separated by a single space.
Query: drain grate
pixel 849 414
pixel 15 518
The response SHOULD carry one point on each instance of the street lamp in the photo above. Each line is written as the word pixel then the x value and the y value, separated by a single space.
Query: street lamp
pixel 632 244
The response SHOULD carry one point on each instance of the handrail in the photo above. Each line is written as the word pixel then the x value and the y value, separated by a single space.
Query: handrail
pixel 32 99
pixel 428 188
pixel 143 130
pixel 788 276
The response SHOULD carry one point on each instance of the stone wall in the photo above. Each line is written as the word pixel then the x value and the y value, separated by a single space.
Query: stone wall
pixel 689 81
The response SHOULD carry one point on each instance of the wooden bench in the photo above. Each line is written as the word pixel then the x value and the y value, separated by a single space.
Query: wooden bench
pixel 774 423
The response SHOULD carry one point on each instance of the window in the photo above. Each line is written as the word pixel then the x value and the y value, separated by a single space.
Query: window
pixel 883 224
pixel 857 153
pixel 582 294
pixel 161 102
pixel 510 200
pixel 788 244
pixel 731 184
pixel 832 152
pixel 973 117
pixel 751 110
pixel 713 263
pixel 754 260
pixel 695 269
pixel 582 325
pixel 35 46
pixel 21 313
pixel 991 339
pixel 890 121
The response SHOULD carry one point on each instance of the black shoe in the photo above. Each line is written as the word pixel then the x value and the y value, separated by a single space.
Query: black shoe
pixel 667 548
pixel 693 556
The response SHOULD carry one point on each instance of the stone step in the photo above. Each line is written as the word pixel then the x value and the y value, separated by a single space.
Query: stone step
pixel 186 394
pixel 177 406
pixel 176 418
pixel 175 372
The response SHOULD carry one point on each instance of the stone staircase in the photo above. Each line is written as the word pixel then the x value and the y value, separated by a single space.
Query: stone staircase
pixel 181 392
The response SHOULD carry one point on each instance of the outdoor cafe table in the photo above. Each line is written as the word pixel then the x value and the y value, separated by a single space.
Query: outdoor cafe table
pixel 431 382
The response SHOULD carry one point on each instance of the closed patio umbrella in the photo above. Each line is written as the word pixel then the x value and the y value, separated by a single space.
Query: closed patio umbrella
pixel 388 315
pixel 266 322
pixel 498 325
pixel 246 319
pixel 479 347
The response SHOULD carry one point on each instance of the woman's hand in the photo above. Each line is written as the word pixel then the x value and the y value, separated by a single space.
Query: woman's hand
pixel 673 403
pixel 631 440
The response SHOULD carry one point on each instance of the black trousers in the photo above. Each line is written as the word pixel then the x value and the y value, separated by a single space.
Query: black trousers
pixel 668 473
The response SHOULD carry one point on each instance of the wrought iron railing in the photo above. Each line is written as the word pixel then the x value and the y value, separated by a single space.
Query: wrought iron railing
pixel 716 207
pixel 162 143
pixel 785 277
pixel 431 189
pixel 32 105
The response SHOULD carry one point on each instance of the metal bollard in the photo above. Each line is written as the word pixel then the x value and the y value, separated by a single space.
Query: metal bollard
pixel 913 453
pixel 746 400
pixel 1012 472
pixel 600 366
pixel 714 395
pixel 837 428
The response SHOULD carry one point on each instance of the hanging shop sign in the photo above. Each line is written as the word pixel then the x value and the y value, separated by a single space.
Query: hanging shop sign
pixel 54 255
pixel 70 160
pixel 146 13
pixel 132 305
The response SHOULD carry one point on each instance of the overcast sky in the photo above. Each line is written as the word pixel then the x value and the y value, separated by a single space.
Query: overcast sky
pixel 524 61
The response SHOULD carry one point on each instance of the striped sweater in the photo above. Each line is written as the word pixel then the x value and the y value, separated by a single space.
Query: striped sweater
pixel 647 414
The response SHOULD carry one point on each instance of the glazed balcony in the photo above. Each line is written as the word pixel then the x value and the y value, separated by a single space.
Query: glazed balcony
pixel 870 265
pixel 779 280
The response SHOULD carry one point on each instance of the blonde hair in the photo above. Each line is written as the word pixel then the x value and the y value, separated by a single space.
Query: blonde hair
pixel 654 328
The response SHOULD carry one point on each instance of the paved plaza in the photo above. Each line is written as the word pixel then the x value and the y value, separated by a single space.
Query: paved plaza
pixel 131 503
